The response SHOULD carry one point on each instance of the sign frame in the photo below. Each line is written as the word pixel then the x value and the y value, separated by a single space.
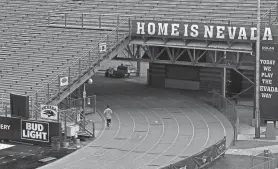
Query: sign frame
pixel 34 139
pixel 55 112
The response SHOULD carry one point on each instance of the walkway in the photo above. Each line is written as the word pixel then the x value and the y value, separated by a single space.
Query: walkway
pixel 150 128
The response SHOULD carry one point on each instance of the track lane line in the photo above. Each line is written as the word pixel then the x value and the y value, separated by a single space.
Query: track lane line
pixel 110 152
pixel 186 100
pixel 135 146
pixel 173 143
pixel 124 166
pixel 85 157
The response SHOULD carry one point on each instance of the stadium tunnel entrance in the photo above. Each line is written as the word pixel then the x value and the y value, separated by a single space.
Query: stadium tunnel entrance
pixel 222 67
pixel 226 69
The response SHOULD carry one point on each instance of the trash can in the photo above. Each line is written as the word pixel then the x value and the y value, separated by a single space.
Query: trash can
pixel 55 143
pixel 77 143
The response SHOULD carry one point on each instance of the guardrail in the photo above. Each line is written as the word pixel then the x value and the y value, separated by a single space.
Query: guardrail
pixel 227 108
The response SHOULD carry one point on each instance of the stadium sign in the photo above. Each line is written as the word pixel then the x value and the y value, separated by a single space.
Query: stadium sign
pixel 49 112
pixel 198 31
pixel 35 131
pixel 269 81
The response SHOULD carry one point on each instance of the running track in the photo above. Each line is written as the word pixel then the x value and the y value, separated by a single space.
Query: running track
pixel 150 128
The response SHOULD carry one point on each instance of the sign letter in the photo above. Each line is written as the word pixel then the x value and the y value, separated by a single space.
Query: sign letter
pixel 267 34
pixel 208 31
pixel 219 33
pixel 140 28
pixel 162 28
pixel 194 29
pixel 175 31
pixel 151 28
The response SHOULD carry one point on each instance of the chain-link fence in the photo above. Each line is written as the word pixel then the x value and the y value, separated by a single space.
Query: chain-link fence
pixel 228 108
pixel 263 160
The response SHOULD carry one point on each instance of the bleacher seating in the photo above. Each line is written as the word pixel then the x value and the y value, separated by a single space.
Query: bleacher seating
pixel 32 53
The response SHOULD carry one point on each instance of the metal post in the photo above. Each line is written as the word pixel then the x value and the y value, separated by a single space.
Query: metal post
pixel 2 97
pixel 257 103
pixel 79 67
pixel 99 21
pixel 59 86
pixel 269 19
pixel 138 61
pixel 107 43
pixel 129 28
pixel 117 28
pixel 48 92
pixel 82 20
pixel 84 104
pixel 93 129
pixel 65 19
pixel 65 125
pixel 31 105
pixel 6 111
pixel 36 114
pixel 90 60
pixel 69 79
pixel 224 76
pixel 277 12
pixel 58 118
pixel 48 22
pixel 95 104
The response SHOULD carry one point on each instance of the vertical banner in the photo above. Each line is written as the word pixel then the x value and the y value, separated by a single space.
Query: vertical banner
pixel 269 81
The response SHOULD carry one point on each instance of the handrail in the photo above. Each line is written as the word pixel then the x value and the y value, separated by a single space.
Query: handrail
pixel 269 10
pixel 82 56
pixel 34 24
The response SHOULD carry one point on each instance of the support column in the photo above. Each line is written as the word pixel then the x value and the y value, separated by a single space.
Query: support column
pixel 257 103
pixel 224 76
pixel 138 62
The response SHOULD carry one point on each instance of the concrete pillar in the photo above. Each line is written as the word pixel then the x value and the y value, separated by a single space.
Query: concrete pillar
pixel 270 133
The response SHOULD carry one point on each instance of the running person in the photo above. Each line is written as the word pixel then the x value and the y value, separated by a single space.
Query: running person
pixel 108 116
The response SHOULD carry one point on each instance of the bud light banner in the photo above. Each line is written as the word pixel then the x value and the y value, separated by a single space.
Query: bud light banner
pixel 35 131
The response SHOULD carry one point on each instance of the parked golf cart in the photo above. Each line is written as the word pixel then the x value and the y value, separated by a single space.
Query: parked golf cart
pixel 121 72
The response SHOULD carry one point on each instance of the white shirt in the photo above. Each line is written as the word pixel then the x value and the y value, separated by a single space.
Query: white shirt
pixel 108 113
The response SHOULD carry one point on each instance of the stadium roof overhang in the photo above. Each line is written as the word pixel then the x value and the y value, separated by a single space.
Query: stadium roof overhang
pixel 242 47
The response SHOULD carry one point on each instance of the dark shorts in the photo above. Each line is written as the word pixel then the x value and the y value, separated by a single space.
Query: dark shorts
pixel 108 120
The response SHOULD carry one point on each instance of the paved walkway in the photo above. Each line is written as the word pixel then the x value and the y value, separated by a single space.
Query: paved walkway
pixel 150 128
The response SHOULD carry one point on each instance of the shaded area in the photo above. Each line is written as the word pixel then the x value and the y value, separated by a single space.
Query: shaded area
pixel 26 156
pixel 237 162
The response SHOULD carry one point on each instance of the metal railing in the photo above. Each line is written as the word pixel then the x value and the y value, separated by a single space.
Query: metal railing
pixel 227 108
pixel 271 15
pixel 263 160
pixel 82 65
pixel 269 164
pixel 86 20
